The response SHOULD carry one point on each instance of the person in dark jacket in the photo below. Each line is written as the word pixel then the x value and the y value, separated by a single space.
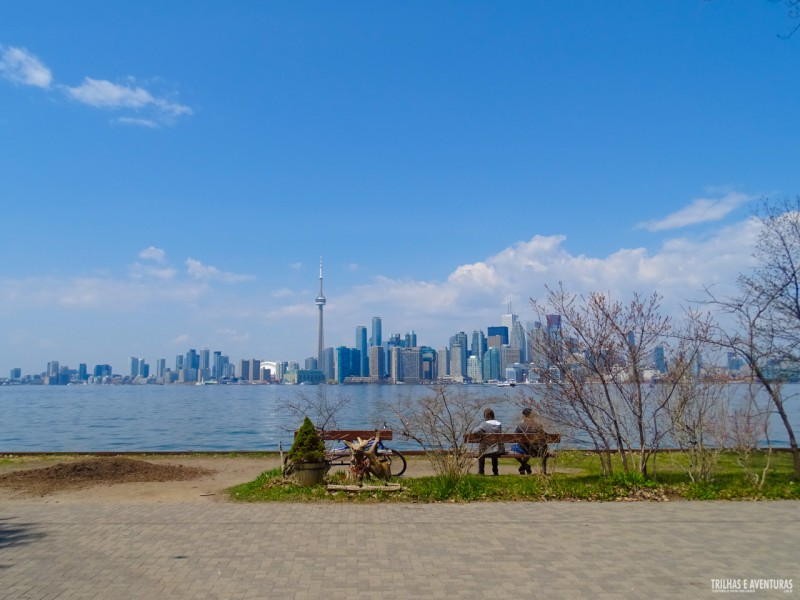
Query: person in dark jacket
pixel 486 449
pixel 528 424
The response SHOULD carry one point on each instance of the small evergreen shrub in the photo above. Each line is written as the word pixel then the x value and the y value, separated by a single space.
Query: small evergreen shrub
pixel 308 447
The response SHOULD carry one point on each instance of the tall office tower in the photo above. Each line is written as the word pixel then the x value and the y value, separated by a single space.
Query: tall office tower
pixel 134 362
pixel 508 356
pixel 411 359
pixel 161 367
pixel 217 366
pixel 428 363
pixel 443 363
pixel 255 369
pixel 327 363
pixel 478 344
pixel 395 364
pixel 83 373
pixel 377 362
pixel 320 301
pixel 179 362
pixel 376 339
pixel 342 363
pixel 16 373
pixel 516 333
pixel 411 339
pixel 491 364
pixel 205 364
pixel 53 368
pixel 244 370
pixel 458 361
pixel 498 330
pixel 554 326
pixel 361 346
pixel 311 363
pixel 660 360
pixel 475 368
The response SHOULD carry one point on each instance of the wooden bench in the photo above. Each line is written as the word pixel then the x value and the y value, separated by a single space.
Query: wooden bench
pixel 507 439
pixel 351 435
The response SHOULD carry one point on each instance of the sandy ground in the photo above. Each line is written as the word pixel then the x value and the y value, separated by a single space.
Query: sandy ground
pixel 226 471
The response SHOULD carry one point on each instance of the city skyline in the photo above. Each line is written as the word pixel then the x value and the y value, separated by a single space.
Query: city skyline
pixel 172 173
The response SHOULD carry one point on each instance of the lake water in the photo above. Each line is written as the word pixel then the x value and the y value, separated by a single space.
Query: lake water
pixel 97 418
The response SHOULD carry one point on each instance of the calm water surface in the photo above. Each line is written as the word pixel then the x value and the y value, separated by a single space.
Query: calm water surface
pixel 212 417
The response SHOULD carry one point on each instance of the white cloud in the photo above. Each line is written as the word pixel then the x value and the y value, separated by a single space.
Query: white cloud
pixel 182 340
pixel 296 266
pixel 283 293
pixel 198 270
pixel 20 66
pixel 142 107
pixel 149 123
pixel 702 210
pixel 101 93
pixel 153 253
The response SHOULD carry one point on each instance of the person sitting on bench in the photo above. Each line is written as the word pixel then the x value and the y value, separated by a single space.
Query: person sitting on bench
pixel 493 451
pixel 528 424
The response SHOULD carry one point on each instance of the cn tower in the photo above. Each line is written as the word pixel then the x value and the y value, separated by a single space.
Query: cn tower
pixel 320 302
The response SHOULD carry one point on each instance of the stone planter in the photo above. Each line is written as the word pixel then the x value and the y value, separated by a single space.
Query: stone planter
pixel 308 474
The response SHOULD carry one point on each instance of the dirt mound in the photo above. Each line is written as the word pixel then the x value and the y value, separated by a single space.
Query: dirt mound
pixel 96 471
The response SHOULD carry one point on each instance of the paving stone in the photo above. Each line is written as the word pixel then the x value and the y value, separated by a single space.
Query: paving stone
pixel 503 550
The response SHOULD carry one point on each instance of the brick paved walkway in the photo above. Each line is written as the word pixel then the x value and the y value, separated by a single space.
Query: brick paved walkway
pixel 516 550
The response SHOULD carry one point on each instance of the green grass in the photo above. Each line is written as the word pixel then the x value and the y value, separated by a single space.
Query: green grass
pixel 582 481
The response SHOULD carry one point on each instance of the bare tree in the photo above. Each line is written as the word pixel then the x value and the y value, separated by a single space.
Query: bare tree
pixel 765 313
pixel 317 405
pixel 748 426
pixel 596 362
pixel 438 422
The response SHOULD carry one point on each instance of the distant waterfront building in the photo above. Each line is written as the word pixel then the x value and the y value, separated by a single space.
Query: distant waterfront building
pixel 311 363
pixel 179 362
pixel 377 362
pixel 204 367
pixel 495 331
pixel 458 361
pixel 161 368
pixel 475 369
pixel 327 363
pixel 443 363
pixel 134 366
pixel 508 356
pixel 429 363
pixel 361 346
pixel 411 371
pixel 16 373
pixel 342 364
pixel 411 339
pixel 83 373
pixel 395 364
pixel 244 370
pixel 478 344
pixel 491 364
pixel 660 359
pixel 102 371
pixel 376 339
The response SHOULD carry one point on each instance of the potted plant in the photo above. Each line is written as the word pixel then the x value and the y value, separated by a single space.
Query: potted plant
pixel 307 455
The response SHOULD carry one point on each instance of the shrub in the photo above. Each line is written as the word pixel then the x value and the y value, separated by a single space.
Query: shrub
pixel 308 447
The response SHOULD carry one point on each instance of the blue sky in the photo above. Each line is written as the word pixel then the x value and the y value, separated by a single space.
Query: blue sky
pixel 171 172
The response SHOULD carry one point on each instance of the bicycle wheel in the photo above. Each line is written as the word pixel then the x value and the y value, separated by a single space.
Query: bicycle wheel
pixel 398 463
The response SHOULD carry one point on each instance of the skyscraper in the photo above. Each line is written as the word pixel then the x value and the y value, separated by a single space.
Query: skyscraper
pixel 361 346
pixel 320 301
pixel 376 339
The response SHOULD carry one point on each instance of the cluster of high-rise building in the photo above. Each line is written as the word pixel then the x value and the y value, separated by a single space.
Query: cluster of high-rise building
pixel 504 352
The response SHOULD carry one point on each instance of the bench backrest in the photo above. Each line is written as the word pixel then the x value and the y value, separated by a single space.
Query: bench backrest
pixel 512 438
pixel 351 435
